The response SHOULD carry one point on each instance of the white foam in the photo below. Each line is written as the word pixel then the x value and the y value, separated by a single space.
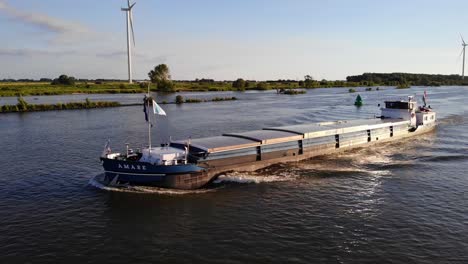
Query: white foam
pixel 252 177
pixel 97 183
pixel 333 167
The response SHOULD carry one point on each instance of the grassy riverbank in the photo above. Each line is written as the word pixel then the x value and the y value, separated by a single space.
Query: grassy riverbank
pixel 45 88
pixel 9 87
pixel 181 100
pixel 23 106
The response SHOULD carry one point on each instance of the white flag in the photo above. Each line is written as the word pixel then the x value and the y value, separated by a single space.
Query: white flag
pixel 157 109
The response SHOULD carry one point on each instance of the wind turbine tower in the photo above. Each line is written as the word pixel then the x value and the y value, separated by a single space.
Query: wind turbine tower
pixel 128 11
pixel 463 51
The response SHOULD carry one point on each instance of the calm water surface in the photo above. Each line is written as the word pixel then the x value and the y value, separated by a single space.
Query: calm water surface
pixel 402 202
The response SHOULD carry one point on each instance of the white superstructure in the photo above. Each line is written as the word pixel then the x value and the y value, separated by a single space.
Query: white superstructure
pixel 408 110
pixel 405 110
pixel 164 156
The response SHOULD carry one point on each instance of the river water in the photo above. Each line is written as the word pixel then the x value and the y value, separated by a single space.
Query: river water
pixel 401 202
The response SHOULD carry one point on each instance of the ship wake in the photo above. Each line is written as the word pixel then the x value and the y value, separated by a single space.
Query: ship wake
pixel 97 182
pixel 261 176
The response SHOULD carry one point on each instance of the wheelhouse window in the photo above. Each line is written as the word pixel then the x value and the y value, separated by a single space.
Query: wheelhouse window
pixel 398 105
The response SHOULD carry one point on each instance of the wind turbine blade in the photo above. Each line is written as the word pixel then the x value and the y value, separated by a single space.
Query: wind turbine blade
pixel 131 26
pixel 461 53
pixel 128 3
pixel 462 39
pixel 132 6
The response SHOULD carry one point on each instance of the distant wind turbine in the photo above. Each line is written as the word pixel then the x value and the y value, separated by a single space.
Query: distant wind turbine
pixel 463 51
pixel 128 11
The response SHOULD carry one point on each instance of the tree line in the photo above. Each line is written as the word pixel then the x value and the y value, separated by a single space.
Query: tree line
pixel 161 78
pixel 401 79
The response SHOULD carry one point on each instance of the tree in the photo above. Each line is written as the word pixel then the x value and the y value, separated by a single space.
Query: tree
pixel 161 76
pixel 239 84
pixel 22 104
pixel 308 81
pixel 179 99
pixel 262 86
pixel 64 80
pixel 160 73
pixel 165 86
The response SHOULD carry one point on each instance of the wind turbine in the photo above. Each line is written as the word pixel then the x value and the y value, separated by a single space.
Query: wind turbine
pixel 128 11
pixel 463 51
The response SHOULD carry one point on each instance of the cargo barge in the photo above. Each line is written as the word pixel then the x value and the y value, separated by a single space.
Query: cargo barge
pixel 193 163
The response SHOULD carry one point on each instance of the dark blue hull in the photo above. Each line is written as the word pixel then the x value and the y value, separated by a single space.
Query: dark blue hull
pixel 183 176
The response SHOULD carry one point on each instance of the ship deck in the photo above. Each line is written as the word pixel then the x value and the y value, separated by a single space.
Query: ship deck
pixel 338 127
pixel 268 136
pixel 284 134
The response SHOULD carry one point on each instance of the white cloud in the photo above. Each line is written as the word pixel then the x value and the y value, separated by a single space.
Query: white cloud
pixel 34 52
pixel 122 54
pixel 65 31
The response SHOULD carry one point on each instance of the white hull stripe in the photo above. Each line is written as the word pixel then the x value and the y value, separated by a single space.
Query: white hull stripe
pixel 133 173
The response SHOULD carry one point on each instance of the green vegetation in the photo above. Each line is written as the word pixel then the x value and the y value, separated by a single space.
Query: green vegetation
pixel 262 86
pixel 309 82
pixel 192 100
pixel 239 84
pixel 45 88
pixel 23 106
pixel 162 78
pixel 180 99
pixel 403 79
pixel 217 99
pixel 293 91
pixel 64 80
pixel 14 88
pixel 403 86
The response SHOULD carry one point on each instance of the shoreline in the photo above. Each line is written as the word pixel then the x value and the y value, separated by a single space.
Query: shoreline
pixel 11 89
pixel 70 85
pixel 24 107
pixel 143 91
pixel 53 93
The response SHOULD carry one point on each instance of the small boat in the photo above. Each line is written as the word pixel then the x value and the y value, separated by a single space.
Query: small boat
pixel 193 163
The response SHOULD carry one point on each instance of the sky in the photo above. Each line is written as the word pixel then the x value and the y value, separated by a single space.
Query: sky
pixel 226 40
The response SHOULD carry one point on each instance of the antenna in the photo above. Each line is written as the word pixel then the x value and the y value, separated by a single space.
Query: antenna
pixel 128 12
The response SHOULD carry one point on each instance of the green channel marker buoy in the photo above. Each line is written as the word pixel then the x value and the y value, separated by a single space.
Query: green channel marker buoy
pixel 358 101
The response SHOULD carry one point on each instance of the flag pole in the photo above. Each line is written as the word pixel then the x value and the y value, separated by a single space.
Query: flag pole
pixel 149 119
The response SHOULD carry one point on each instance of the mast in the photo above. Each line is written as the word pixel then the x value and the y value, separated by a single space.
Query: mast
pixel 149 123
